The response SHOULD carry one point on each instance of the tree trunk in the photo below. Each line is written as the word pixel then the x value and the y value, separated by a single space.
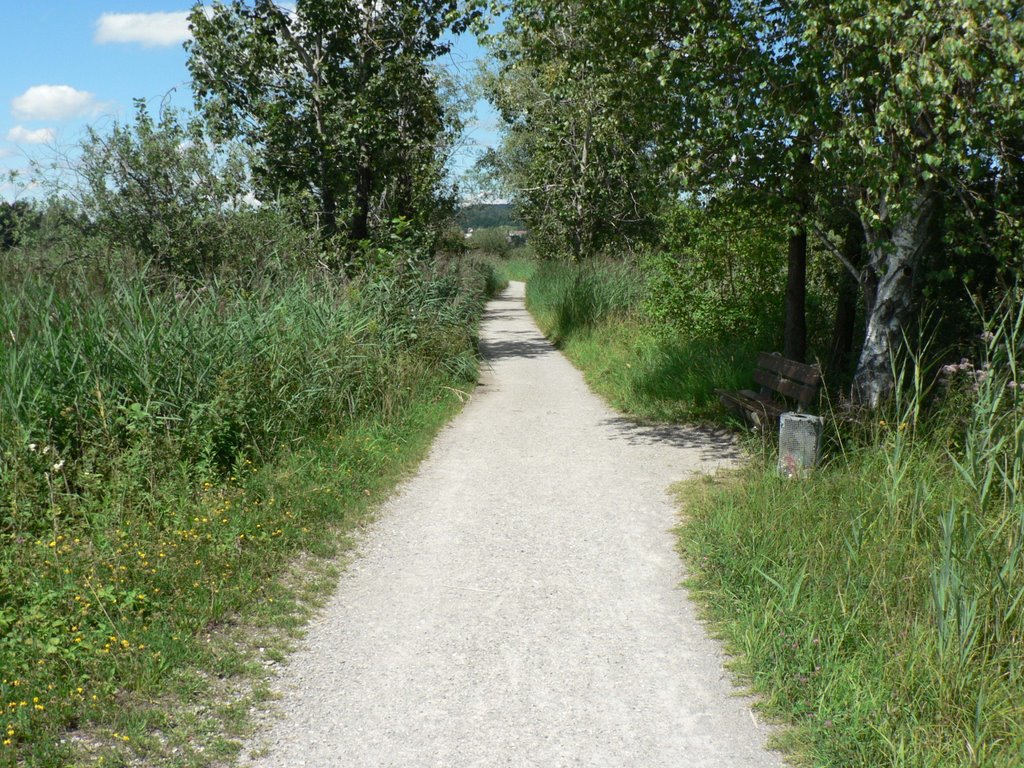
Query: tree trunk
pixel 795 333
pixel 359 228
pixel 844 327
pixel 329 205
pixel 892 259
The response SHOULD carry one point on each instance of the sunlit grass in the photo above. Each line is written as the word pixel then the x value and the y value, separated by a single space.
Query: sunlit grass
pixel 166 457
pixel 878 607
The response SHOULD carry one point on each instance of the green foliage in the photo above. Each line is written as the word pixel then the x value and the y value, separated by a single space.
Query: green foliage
pixel 720 271
pixel 160 189
pixel 159 446
pixel 158 196
pixel 335 100
pixel 878 605
pixel 492 240
pixel 578 154
pixel 17 221
pixel 901 121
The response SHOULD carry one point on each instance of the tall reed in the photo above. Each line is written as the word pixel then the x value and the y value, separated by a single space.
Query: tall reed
pixel 165 451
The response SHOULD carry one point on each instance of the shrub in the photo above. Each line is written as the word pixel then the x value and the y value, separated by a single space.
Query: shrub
pixel 493 240
pixel 718 270
pixel 159 188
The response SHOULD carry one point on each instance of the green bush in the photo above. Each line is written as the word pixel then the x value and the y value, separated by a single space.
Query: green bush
pixel 492 240
pixel 159 188
pixel 719 270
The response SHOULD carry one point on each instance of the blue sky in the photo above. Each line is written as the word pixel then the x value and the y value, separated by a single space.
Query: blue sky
pixel 68 64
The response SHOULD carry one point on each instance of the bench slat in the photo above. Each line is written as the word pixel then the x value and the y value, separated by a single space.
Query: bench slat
pixel 790 369
pixel 802 393
pixel 775 374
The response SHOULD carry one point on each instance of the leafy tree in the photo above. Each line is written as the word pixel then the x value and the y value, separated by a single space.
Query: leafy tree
pixel 334 97
pixel 579 155
pixel 856 121
pixel 158 187
pixel 723 122
pixel 741 79
pixel 874 110
pixel 927 98
pixel 17 219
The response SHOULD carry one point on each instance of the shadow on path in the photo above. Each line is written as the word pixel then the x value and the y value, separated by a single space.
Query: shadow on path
pixel 526 348
pixel 525 344
pixel 716 444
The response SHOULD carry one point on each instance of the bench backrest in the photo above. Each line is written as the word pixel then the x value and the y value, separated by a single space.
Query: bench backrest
pixel 790 379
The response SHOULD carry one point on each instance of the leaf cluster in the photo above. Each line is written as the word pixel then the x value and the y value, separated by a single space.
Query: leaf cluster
pixel 158 187
pixel 335 99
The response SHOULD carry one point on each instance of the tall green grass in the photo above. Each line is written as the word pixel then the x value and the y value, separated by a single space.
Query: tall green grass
pixel 880 605
pixel 218 367
pixel 642 365
pixel 519 265
pixel 165 452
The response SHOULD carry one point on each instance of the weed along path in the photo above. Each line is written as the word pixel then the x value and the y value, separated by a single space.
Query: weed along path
pixel 518 602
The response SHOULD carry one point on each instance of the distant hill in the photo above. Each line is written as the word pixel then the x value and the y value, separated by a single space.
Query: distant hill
pixel 483 215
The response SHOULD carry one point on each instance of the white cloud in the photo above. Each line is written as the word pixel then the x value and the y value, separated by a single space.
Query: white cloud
pixel 17 190
pixel 21 135
pixel 148 29
pixel 53 102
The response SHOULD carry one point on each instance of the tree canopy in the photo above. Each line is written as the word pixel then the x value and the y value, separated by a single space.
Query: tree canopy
pixel 335 98
pixel 579 155
pixel 858 122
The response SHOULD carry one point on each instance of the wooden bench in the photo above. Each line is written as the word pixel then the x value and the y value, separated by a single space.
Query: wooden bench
pixel 786 385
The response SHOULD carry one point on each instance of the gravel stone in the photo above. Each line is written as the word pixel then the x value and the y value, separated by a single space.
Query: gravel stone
pixel 518 601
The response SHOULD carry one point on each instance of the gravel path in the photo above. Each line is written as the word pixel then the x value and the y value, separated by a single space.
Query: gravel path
pixel 517 604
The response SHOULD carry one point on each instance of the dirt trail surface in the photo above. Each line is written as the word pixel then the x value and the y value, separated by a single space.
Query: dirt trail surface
pixel 518 602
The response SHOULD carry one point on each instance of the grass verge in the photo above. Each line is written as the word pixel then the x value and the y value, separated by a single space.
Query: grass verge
pixel 178 470
pixel 188 703
pixel 877 608
pixel 644 368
